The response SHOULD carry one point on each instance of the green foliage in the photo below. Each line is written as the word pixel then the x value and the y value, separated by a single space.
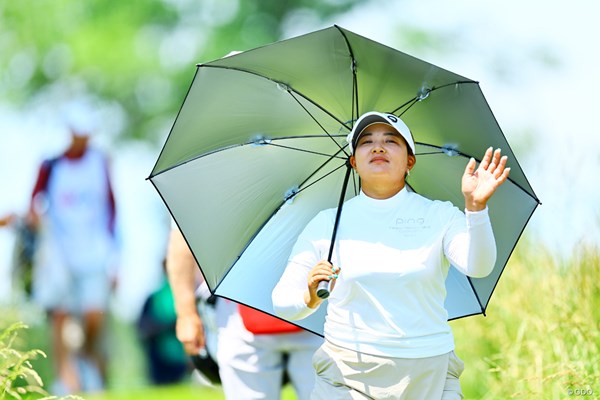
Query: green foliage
pixel 138 54
pixel 541 336
pixel 17 376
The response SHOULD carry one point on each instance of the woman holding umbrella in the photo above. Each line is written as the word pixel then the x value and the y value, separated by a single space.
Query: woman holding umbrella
pixel 386 331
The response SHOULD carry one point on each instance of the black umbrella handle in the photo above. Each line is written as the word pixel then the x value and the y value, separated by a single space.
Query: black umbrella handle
pixel 324 287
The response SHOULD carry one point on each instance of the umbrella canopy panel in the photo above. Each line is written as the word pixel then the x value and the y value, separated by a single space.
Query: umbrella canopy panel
pixel 238 108
pixel 220 213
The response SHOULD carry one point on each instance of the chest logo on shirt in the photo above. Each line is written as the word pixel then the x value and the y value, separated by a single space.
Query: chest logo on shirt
pixel 409 221
pixel 410 226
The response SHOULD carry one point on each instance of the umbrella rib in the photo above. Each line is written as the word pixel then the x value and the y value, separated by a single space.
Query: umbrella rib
pixel 290 89
pixel 317 122
pixel 225 148
pixel 461 154
pixel 408 105
pixel 509 254
pixel 354 100
pixel 181 230
pixel 324 176
pixel 442 150
pixel 307 151
pixel 454 83
pixel 318 180
pixel 476 295
pixel 275 212
pixel 331 157
pixel 152 174
pixel 422 96
pixel 283 85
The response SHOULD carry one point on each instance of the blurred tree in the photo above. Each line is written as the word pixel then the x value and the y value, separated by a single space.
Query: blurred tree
pixel 139 54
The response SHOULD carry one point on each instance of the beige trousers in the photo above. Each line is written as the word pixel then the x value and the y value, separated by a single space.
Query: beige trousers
pixel 344 374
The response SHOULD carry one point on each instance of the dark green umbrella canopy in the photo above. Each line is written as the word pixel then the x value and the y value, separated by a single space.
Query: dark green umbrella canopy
pixel 258 148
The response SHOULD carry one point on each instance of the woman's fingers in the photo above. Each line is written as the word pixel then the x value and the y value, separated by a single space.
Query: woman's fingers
pixel 323 271
pixel 504 176
pixel 501 167
pixel 485 161
pixel 470 168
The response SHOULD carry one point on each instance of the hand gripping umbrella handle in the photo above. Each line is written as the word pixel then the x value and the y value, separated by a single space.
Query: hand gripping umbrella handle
pixel 324 287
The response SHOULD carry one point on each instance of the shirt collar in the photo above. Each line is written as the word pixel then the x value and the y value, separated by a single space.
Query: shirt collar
pixel 390 202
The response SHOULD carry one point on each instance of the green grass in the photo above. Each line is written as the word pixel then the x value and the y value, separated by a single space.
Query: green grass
pixel 541 336
pixel 540 339
pixel 179 392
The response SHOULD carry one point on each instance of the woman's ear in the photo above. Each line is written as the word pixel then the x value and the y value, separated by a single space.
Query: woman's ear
pixel 353 161
pixel 412 160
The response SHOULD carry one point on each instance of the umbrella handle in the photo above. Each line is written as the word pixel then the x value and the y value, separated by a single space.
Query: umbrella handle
pixel 324 287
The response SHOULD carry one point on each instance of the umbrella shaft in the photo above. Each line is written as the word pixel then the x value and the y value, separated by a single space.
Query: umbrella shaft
pixel 324 288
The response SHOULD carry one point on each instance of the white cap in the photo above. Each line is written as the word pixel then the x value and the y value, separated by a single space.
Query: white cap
pixel 80 118
pixel 373 117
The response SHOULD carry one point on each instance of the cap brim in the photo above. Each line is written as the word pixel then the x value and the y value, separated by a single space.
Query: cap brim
pixel 368 121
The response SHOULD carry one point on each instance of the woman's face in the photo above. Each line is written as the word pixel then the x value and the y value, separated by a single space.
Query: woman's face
pixel 381 156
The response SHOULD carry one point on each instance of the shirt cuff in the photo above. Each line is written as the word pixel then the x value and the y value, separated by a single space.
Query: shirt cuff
pixel 303 310
pixel 475 218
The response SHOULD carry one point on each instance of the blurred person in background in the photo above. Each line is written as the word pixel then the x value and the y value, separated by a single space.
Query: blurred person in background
pixel 255 352
pixel 167 363
pixel 73 210
pixel 7 219
pixel 23 253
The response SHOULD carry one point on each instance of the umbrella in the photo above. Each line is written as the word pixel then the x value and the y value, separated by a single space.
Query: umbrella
pixel 258 148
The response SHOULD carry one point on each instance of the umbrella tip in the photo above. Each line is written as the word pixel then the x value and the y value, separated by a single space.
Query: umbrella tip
pixel 423 93
pixel 284 87
pixel 291 193
pixel 260 140
pixel 450 149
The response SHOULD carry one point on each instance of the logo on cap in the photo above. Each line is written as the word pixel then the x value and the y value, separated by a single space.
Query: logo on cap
pixel 392 118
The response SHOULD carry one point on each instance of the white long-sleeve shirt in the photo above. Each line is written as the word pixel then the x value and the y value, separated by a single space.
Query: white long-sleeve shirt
pixel 394 256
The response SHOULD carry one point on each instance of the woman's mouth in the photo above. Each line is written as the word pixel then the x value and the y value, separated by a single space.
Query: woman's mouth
pixel 378 159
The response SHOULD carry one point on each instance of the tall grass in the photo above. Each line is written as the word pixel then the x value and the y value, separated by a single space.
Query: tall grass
pixel 18 378
pixel 541 336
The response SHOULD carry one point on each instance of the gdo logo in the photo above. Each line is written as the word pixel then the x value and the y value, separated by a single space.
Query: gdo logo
pixel 580 392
